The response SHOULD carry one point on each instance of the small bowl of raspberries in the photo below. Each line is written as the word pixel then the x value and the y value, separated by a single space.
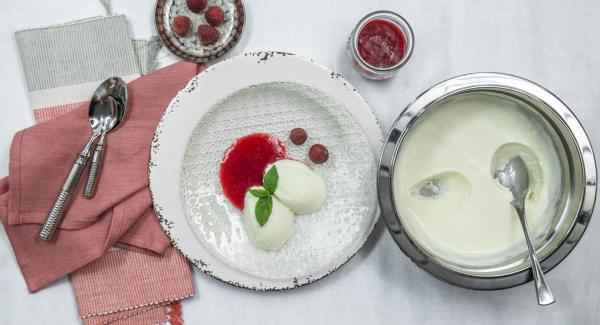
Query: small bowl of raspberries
pixel 199 30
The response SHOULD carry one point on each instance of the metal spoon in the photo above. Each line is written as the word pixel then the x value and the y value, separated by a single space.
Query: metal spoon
pixel 102 117
pixel 515 177
pixel 117 97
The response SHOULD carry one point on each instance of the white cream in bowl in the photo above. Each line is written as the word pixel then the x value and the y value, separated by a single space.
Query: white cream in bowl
pixel 443 182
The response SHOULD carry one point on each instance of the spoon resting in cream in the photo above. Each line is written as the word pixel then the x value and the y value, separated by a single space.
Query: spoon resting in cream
pixel 515 177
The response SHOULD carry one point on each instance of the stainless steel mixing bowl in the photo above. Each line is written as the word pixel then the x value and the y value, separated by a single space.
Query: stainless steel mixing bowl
pixel 578 178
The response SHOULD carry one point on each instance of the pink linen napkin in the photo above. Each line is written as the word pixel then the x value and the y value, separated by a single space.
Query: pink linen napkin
pixel 42 155
pixel 120 214
pixel 128 287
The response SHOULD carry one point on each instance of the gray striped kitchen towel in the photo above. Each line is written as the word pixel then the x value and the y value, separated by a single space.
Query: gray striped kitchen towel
pixel 64 64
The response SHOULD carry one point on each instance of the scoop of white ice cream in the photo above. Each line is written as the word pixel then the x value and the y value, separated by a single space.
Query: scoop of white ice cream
pixel 299 187
pixel 275 232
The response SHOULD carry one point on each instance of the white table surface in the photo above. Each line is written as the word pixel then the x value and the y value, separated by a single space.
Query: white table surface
pixel 554 43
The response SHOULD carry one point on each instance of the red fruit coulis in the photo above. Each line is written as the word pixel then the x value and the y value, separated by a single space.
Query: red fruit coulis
pixel 244 164
pixel 381 43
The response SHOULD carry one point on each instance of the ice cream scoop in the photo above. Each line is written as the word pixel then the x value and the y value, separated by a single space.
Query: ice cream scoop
pixel 276 231
pixel 299 187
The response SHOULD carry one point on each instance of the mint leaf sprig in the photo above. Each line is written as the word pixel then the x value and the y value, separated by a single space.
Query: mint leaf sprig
pixel 263 209
pixel 264 205
pixel 271 179
pixel 259 193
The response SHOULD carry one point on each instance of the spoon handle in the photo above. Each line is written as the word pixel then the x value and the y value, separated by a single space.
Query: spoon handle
pixel 544 295
pixel 90 185
pixel 56 213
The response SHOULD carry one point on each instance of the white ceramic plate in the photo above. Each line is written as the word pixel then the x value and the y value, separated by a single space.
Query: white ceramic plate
pixel 272 93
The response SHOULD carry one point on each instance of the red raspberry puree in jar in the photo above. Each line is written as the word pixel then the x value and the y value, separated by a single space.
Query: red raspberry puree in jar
pixel 244 164
pixel 381 43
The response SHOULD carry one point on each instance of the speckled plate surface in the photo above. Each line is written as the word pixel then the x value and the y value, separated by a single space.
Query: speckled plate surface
pixel 272 93
pixel 189 47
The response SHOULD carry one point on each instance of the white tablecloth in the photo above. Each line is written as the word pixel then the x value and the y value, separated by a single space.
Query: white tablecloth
pixel 555 43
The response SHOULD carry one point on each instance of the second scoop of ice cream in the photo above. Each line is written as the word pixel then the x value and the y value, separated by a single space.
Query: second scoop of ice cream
pixel 299 187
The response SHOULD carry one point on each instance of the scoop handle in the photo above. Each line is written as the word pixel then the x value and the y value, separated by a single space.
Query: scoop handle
pixel 57 211
pixel 542 289
pixel 92 180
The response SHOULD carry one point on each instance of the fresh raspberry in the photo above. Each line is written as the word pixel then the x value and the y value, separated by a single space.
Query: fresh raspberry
pixel 318 153
pixel 208 34
pixel 298 136
pixel 215 15
pixel 181 26
pixel 196 5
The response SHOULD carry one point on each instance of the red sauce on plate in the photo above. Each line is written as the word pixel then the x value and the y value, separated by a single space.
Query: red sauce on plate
pixel 244 164
pixel 381 43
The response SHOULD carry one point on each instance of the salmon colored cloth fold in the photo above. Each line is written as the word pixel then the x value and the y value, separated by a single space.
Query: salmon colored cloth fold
pixel 128 287
pixel 121 211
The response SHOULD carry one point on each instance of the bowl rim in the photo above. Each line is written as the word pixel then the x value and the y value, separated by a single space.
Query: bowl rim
pixel 483 81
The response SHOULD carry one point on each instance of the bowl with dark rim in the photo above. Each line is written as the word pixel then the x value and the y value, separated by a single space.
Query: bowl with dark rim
pixel 189 47
pixel 576 198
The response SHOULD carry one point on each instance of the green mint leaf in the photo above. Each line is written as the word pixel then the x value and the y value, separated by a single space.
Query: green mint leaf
pixel 258 192
pixel 270 180
pixel 263 209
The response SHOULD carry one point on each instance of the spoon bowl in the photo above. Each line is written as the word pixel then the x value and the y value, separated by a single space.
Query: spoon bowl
pixel 515 177
pixel 103 115
pixel 100 109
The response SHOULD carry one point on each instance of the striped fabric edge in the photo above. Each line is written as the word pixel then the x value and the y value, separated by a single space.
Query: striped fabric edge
pixel 49 113
pixel 170 276
pixel 71 54
pixel 143 307
pixel 51 97
pixel 150 315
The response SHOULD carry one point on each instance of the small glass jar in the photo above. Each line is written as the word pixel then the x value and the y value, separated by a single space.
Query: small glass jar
pixel 368 70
